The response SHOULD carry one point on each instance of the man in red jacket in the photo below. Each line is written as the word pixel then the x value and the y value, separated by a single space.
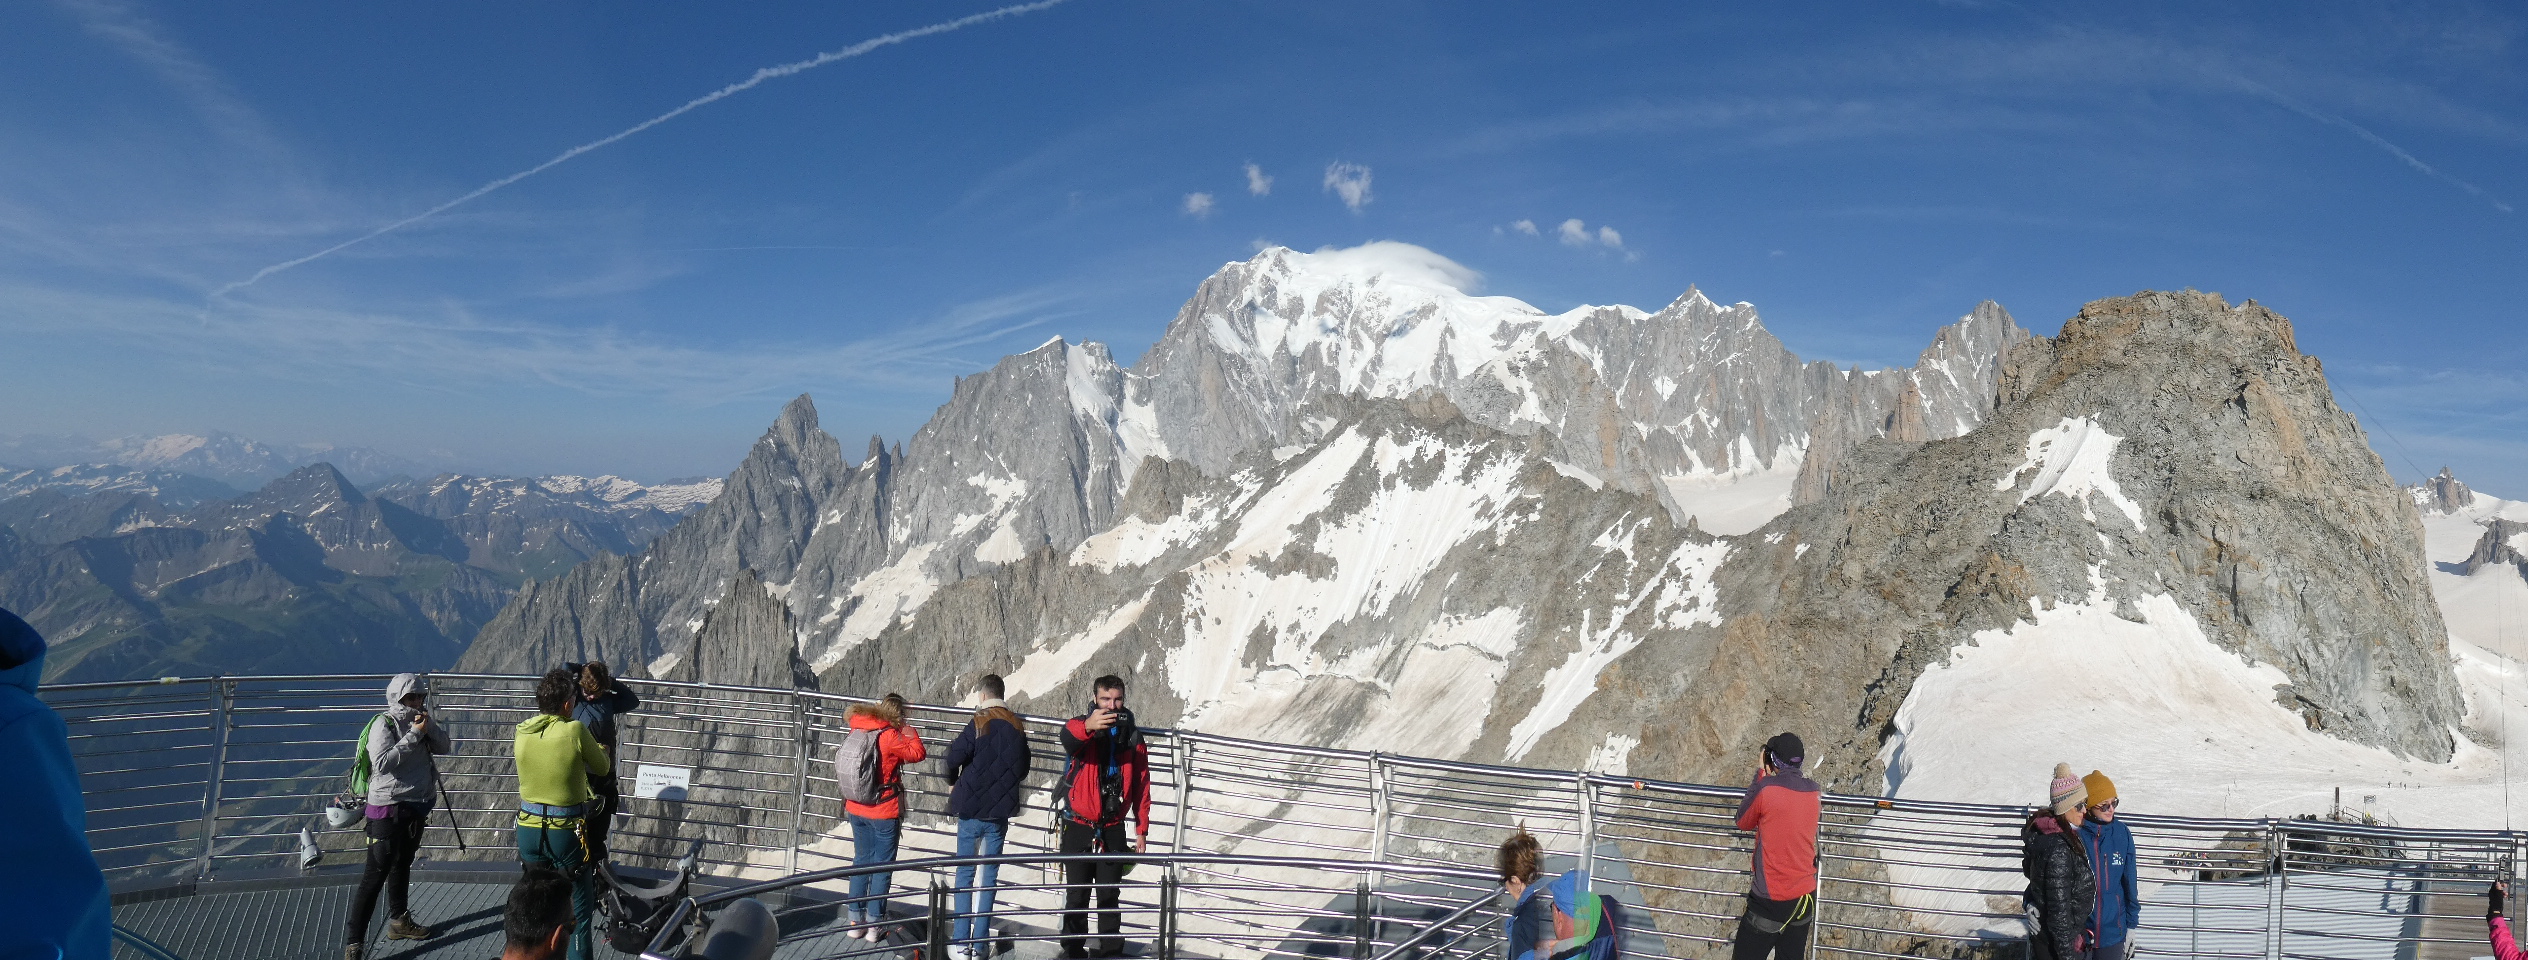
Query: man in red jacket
pixel 1781 807
pixel 1108 775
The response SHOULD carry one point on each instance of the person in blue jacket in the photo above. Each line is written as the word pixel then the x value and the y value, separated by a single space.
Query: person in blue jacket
pixel 2111 857
pixel 54 894
pixel 987 765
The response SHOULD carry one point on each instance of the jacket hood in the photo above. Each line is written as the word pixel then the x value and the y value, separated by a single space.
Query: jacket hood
pixel 541 722
pixel 864 721
pixel 2046 823
pixel 404 685
pixel 21 653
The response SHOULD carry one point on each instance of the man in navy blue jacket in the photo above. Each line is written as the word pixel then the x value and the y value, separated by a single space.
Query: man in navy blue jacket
pixel 986 764
pixel 50 887
pixel 2119 906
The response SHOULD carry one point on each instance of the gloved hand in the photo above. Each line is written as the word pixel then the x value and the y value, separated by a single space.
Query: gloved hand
pixel 2494 896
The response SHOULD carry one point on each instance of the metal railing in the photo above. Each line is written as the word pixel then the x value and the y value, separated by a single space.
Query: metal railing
pixel 203 779
pixel 1391 912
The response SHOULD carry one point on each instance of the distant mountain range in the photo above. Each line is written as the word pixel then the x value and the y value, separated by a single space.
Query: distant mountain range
pixel 137 572
pixel 230 459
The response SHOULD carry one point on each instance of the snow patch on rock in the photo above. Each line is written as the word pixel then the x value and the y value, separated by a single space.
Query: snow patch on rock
pixel 2073 458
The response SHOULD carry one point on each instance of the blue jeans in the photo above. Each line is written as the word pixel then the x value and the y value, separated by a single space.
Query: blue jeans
pixel 977 838
pixel 872 841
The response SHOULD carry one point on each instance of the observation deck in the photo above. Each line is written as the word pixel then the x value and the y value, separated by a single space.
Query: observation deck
pixel 198 791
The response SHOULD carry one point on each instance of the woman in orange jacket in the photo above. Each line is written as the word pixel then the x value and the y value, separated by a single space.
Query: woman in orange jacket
pixel 870 770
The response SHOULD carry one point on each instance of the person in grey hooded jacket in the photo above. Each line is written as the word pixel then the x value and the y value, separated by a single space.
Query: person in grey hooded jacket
pixel 50 888
pixel 404 743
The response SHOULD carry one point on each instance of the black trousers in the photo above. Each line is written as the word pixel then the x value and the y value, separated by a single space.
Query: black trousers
pixel 1778 928
pixel 1107 878
pixel 392 843
pixel 605 796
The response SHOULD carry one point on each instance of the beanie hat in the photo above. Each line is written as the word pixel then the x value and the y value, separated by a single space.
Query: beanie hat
pixel 2068 791
pixel 1786 749
pixel 2101 789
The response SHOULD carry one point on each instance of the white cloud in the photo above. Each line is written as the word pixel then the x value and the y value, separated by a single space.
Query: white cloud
pixel 1258 182
pixel 1525 226
pixel 1199 205
pixel 1608 236
pixel 1349 181
pixel 1576 234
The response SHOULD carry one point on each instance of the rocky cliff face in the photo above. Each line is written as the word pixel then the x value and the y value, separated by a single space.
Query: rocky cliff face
pixel 2163 446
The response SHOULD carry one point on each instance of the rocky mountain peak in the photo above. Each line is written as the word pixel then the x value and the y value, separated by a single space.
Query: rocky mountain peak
pixel 2444 494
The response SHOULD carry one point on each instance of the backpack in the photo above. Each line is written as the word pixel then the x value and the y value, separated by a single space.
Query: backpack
pixel 347 806
pixel 856 767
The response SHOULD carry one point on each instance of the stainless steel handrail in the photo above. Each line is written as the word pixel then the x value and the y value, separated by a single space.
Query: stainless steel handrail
pixel 251 753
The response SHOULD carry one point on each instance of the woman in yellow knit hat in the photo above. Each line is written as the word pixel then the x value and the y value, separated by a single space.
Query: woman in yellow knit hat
pixel 2111 856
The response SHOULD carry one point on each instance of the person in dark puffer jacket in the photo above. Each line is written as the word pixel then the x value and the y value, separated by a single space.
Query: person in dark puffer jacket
pixel 986 765
pixel 2061 887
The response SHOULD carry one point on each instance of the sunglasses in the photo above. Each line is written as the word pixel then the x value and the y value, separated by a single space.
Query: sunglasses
pixel 2108 806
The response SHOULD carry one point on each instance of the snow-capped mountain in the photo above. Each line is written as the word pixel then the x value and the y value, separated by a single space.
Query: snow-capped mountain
pixel 1345 496
pixel 1694 405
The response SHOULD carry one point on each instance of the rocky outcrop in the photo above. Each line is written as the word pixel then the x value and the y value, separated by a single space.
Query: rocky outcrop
pixel 2444 494
pixel 2496 547
pixel 2163 443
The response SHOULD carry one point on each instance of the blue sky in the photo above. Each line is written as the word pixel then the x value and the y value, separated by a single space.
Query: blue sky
pixel 869 228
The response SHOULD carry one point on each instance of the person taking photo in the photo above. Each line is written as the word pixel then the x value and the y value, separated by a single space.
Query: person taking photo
pixel 1106 777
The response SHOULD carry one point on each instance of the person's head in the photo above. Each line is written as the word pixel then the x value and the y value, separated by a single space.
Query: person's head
pixel 1109 692
pixel 991 688
pixel 593 679
pixel 889 709
pixel 538 919
pixel 2067 797
pixel 1520 860
pixel 2102 800
pixel 1785 752
pixel 556 691
pixel 407 690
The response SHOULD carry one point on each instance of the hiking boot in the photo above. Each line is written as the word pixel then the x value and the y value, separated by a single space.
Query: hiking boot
pixel 404 928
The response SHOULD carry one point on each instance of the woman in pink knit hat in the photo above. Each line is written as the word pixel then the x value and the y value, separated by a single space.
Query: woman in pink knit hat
pixel 2060 887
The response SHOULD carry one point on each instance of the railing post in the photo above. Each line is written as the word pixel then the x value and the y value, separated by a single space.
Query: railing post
pixel 803 737
pixel 939 921
pixel 1167 912
pixel 1184 793
pixel 1380 804
pixel 1362 935
pixel 221 692
pixel 2277 885
pixel 1588 825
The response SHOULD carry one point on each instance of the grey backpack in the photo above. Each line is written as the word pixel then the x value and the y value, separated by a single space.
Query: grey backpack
pixel 856 767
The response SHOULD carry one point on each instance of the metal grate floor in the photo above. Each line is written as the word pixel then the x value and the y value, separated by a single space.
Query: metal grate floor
pixel 306 923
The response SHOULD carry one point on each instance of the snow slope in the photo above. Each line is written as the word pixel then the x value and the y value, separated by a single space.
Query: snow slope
pixel 2186 728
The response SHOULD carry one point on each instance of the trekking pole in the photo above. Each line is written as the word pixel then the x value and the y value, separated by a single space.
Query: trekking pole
pixel 453 826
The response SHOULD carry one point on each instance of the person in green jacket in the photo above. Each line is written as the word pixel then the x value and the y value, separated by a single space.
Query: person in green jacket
pixel 556 756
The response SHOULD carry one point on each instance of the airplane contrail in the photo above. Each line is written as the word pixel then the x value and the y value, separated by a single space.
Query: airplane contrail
pixel 767 73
